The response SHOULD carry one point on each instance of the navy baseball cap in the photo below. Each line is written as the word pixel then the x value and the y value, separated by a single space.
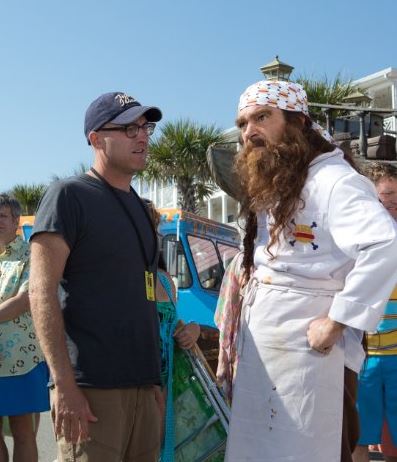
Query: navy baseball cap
pixel 118 108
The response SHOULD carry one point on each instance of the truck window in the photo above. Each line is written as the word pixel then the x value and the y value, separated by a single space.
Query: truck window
pixel 227 252
pixel 205 257
pixel 176 262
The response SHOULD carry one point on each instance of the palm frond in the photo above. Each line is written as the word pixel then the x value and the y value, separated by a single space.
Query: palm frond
pixel 179 154
pixel 325 91
pixel 28 196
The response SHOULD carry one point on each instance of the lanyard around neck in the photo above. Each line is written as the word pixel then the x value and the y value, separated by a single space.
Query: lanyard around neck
pixel 149 264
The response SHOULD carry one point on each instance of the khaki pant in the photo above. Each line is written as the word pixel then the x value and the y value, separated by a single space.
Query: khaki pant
pixel 128 428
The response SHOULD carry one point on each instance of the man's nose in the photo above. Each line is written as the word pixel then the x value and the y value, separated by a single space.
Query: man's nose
pixel 250 131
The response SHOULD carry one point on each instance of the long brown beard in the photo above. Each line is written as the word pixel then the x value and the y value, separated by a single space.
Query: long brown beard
pixel 273 176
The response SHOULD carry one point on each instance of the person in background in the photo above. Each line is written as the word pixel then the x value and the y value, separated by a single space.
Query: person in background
pixel 377 386
pixel 185 335
pixel 23 372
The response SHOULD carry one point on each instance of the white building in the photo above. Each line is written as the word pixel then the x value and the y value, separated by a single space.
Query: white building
pixel 219 207
pixel 160 193
pixel 381 87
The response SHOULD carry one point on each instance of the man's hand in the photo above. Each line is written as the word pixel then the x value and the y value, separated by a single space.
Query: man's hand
pixel 186 335
pixel 323 333
pixel 71 414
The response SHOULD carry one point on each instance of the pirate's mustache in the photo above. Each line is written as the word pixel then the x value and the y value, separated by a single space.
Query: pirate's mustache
pixel 255 142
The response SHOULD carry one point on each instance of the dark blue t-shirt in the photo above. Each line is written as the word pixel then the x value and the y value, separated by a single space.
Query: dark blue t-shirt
pixel 111 324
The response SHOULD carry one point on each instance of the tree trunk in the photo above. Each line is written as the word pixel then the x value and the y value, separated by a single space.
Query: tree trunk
pixel 187 196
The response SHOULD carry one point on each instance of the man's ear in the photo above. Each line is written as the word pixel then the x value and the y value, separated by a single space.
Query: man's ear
pixel 95 139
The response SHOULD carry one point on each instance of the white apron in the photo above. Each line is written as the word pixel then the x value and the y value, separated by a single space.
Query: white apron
pixel 287 398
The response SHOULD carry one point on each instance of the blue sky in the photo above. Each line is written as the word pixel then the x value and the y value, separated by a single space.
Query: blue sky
pixel 192 58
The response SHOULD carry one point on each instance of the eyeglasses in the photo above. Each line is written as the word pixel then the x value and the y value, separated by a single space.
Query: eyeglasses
pixel 132 130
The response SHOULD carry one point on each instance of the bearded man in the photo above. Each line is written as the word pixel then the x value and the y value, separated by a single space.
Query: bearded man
pixel 316 265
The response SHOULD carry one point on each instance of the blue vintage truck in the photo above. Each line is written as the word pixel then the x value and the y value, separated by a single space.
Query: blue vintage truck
pixel 196 251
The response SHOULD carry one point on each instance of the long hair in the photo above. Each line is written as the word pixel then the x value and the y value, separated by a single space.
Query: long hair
pixel 251 231
pixel 156 218
pixel 272 177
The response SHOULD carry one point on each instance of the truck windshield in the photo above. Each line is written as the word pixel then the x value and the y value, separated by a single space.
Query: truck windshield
pixel 209 267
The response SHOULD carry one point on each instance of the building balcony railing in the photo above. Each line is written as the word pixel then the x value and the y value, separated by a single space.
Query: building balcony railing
pixel 369 132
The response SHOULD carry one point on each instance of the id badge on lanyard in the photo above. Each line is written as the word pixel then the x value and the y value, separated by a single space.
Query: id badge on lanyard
pixel 149 284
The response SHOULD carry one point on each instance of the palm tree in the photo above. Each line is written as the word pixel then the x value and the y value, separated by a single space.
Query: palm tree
pixel 28 196
pixel 178 154
pixel 325 91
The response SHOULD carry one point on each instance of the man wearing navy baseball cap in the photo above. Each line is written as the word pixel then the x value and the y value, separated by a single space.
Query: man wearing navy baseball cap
pixel 119 109
pixel 94 238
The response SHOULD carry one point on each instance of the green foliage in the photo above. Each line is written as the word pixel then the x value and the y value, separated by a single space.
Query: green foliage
pixel 178 154
pixel 28 196
pixel 325 91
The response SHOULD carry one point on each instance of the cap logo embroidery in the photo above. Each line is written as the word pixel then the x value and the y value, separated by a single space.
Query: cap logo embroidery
pixel 124 99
